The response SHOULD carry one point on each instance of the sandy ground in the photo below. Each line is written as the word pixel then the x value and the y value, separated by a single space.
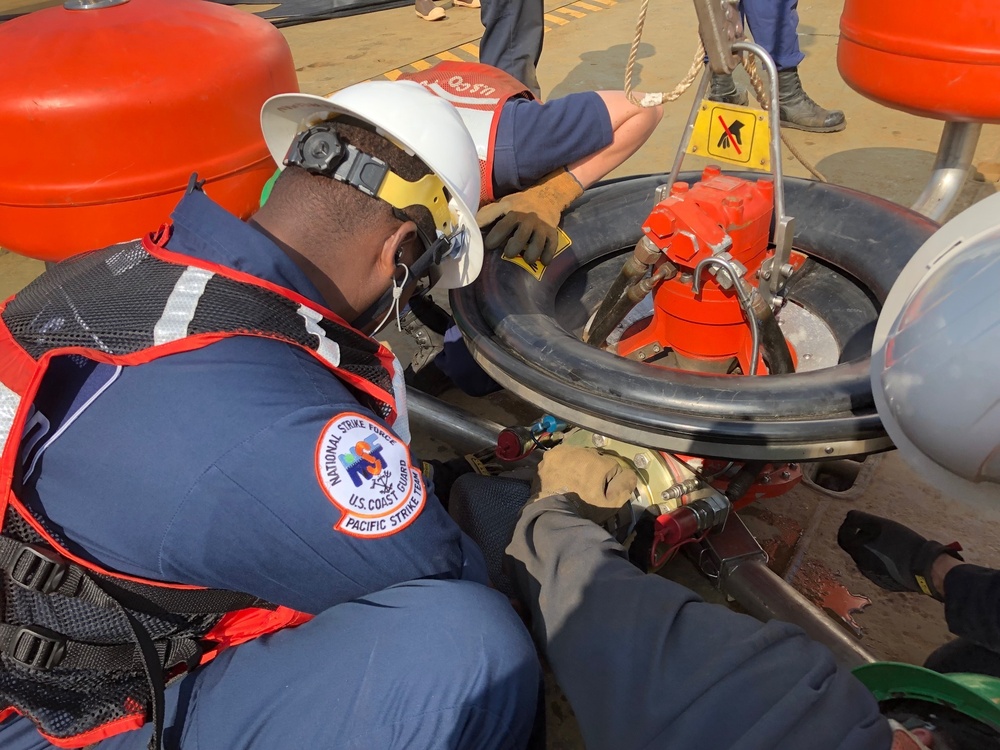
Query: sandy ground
pixel 882 151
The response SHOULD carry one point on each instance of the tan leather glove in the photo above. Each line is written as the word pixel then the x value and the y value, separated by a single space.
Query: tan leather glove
pixel 530 222
pixel 598 484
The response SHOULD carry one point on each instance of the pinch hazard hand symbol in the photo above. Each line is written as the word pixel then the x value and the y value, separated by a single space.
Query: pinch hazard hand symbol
pixel 731 135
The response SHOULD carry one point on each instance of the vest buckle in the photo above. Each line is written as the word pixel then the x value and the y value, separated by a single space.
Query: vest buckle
pixel 35 647
pixel 38 569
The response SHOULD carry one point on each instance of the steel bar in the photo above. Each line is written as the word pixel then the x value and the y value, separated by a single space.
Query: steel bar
pixel 951 167
pixel 699 95
pixel 783 224
pixel 451 424
pixel 767 597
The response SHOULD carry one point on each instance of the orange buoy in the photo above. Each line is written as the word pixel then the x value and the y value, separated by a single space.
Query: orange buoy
pixel 926 57
pixel 108 106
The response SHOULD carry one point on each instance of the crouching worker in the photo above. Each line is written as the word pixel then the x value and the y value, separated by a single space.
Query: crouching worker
pixel 214 535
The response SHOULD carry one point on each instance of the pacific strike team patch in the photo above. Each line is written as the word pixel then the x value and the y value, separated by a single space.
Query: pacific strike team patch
pixel 366 473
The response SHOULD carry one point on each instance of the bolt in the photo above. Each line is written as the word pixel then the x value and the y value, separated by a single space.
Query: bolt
pixel 828 450
pixel 786 475
pixel 686 278
pixel 765 275
pixel 642 355
pixel 600 441
pixel 766 479
pixel 641 460
pixel 793 467
pixel 787 270
pixel 657 349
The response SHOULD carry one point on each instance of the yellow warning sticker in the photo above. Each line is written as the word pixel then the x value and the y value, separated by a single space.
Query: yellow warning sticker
pixel 536 269
pixel 733 134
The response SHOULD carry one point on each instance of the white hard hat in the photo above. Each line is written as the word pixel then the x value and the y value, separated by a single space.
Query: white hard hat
pixel 421 123
pixel 936 355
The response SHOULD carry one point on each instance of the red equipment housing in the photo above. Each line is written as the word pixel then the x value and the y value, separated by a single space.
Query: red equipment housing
pixel 105 113
pixel 722 213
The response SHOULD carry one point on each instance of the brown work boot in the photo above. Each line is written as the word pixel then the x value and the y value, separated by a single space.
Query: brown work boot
pixel 724 89
pixel 428 11
pixel 798 110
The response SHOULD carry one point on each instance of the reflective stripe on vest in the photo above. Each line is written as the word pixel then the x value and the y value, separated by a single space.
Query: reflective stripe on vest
pixel 478 92
pixel 63 313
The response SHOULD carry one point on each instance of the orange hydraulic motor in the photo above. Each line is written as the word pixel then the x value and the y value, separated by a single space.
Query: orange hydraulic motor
pixel 702 321
pixel 107 108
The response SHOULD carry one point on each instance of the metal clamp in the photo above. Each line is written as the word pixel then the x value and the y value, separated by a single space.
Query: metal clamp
pixel 719 24
pixel 724 550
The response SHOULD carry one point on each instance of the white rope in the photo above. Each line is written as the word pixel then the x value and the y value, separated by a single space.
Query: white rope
pixel 656 99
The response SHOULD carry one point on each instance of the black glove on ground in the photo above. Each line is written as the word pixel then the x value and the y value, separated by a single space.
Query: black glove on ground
pixel 892 555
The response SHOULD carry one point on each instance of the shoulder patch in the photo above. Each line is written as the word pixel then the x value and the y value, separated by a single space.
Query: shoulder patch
pixel 366 472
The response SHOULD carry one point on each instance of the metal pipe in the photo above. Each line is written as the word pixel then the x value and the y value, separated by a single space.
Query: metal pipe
pixel 784 225
pixel 688 128
pixel 772 115
pixel 449 423
pixel 954 157
pixel 741 295
pixel 767 597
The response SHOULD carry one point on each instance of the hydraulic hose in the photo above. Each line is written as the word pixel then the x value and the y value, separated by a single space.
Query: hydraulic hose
pixel 616 303
pixel 774 347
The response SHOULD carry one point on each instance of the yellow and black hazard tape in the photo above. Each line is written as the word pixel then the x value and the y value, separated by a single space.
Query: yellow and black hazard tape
pixel 469 52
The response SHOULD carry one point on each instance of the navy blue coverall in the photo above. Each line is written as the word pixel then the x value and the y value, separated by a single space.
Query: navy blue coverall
pixel 971 596
pixel 774 25
pixel 512 38
pixel 200 468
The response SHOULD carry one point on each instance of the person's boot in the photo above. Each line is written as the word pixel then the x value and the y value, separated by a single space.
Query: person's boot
pixel 724 89
pixel 798 110
pixel 428 11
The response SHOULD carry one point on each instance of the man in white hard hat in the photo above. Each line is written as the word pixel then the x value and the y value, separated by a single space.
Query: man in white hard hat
pixel 215 534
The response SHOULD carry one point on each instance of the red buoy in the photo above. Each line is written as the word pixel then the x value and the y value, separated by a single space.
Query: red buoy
pixel 107 109
pixel 925 57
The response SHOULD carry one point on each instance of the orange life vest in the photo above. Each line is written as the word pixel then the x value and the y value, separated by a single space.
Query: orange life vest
pixel 109 644
pixel 478 92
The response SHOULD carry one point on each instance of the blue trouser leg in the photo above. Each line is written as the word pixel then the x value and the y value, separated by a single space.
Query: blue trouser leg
pixel 774 25
pixel 512 39
pixel 427 664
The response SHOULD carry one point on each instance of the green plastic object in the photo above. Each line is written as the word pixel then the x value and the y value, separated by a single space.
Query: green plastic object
pixel 974 695
pixel 266 192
